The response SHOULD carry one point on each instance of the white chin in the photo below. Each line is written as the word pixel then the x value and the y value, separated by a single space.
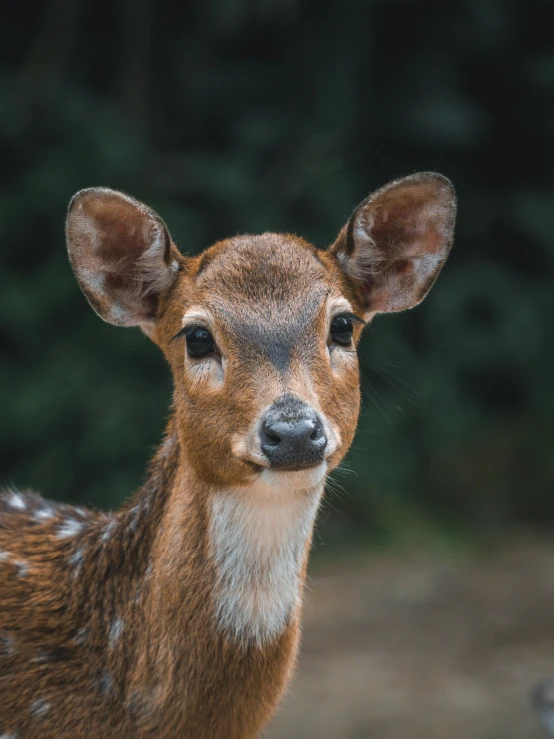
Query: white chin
pixel 285 480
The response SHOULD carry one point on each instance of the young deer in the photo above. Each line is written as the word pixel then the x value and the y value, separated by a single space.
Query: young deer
pixel 178 616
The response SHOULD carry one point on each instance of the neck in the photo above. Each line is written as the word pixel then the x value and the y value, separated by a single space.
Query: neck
pixel 189 593
pixel 238 556
pixel 260 538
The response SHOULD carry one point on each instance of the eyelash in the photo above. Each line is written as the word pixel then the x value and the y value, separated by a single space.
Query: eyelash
pixel 187 330
pixel 352 316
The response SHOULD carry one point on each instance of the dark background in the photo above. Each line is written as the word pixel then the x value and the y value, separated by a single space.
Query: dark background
pixel 256 115
pixel 430 606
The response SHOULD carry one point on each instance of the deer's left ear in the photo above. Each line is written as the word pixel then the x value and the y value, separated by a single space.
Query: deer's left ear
pixel 122 255
pixel 397 240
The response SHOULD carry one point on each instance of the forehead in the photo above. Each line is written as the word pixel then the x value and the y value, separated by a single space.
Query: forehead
pixel 270 275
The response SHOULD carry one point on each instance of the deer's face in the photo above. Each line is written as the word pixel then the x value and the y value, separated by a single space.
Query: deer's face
pixel 261 331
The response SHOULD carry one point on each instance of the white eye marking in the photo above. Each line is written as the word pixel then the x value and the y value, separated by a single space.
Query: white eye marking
pixel 207 370
pixel 70 527
pixel 17 501
pixel 40 708
pixel 116 629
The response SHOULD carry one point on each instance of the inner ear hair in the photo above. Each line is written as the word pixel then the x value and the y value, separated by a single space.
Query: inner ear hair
pixel 396 241
pixel 121 253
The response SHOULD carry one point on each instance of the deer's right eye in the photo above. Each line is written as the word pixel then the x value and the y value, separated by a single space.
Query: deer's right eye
pixel 199 342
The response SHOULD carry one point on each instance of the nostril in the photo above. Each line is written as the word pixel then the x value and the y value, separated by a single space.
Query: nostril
pixel 315 433
pixel 271 437
pixel 273 433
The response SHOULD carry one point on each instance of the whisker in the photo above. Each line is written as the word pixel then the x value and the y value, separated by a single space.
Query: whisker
pixel 343 468
pixel 376 398
pixel 402 390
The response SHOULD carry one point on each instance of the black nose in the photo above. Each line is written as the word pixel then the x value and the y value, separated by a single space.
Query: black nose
pixel 292 435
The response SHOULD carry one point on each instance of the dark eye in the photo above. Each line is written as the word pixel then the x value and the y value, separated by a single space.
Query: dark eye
pixel 341 330
pixel 199 342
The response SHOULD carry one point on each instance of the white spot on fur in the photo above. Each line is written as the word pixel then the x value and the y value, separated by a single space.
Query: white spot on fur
pixel 9 736
pixel 43 657
pixel 81 636
pixel 168 446
pixel 134 514
pixel 16 500
pixel 116 629
pixel 7 645
pixel 4 556
pixel 108 530
pixel 76 560
pixel 70 527
pixel 44 513
pixel 104 684
pixel 40 708
pixel 259 537
pixel 22 568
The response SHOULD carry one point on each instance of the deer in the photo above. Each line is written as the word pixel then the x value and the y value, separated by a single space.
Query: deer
pixel 178 615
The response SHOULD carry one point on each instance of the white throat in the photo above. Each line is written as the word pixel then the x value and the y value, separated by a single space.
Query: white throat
pixel 259 536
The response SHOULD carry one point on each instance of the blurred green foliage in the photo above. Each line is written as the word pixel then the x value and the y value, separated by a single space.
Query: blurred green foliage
pixel 251 115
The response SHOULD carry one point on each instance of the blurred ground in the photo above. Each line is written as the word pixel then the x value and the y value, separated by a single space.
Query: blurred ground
pixel 414 646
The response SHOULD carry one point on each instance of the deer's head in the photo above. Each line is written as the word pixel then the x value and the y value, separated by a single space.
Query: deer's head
pixel 261 331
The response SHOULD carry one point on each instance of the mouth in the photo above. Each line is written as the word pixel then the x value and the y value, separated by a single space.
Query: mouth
pixel 298 468
pixel 298 479
pixel 258 464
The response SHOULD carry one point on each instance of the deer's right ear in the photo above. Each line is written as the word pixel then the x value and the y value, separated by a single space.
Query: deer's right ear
pixel 397 240
pixel 122 255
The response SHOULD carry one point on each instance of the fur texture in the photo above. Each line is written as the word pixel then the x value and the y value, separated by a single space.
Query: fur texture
pixel 260 537
pixel 178 616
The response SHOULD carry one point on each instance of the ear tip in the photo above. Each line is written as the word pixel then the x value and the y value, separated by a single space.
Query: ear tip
pixel 81 196
pixel 436 178
pixel 95 192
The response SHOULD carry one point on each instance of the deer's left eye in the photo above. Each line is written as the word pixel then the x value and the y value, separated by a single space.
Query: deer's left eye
pixel 341 330
pixel 199 342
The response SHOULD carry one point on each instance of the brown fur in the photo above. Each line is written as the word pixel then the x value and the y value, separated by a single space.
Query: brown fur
pixel 108 624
